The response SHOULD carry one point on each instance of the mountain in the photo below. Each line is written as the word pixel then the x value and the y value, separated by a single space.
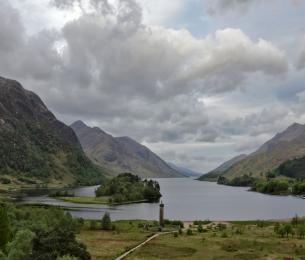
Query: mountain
pixel 214 174
pixel 285 146
pixel 121 154
pixel 35 145
pixel 184 171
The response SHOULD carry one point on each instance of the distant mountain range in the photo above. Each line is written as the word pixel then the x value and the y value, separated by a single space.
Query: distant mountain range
pixel 121 154
pixel 283 147
pixel 185 171
pixel 35 145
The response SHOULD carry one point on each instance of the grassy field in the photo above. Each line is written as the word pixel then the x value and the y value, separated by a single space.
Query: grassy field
pixel 110 244
pixel 239 240
pixel 86 200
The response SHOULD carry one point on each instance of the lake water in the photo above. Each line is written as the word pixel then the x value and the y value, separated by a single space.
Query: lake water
pixel 187 199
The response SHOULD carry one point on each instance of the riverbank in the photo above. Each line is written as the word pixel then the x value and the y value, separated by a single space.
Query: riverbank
pixel 104 200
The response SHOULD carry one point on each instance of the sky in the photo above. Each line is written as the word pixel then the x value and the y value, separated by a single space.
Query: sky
pixel 196 81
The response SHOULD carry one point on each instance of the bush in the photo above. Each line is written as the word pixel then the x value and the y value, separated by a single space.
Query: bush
pixel 5 231
pixel 200 228
pixel 66 257
pixel 22 245
pixel 4 180
pixel 224 235
pixel 54 232
pixel 106 222
pixel 93 224
pixel 189 232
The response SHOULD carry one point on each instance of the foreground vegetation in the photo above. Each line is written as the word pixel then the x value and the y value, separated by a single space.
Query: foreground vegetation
pixel 128 187
pixel 234 240
pixel 244 240
pixel 29 232
pixel 38 233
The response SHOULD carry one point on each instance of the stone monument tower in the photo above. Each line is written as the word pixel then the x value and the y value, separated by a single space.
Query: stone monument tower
pixel 161 215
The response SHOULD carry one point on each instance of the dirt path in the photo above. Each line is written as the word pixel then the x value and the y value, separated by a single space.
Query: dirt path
pixel 142 244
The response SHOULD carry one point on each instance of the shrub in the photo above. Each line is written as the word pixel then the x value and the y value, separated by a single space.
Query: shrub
pixel 5 231
pixel 189 232
pixel 106 222
pixel 200 228
pixel 93 224
pixel 21 247
pixel 224 235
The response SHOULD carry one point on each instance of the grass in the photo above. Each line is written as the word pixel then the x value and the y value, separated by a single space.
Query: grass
pixel 85 200
pixel 96 200
pixel 239 240
pixel 110 244
pixel 245 242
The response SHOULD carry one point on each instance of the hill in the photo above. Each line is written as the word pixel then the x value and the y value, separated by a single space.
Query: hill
pixel 214 174
pixel 285 146
pixel 184 171
pixel 121 154
pixel 34 145
pixel 292 168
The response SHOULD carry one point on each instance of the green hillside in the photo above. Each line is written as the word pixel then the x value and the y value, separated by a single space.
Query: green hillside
pixel 285 146
pixel 34 146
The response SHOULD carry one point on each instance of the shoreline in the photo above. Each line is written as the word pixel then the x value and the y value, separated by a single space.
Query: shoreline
pixel 96 201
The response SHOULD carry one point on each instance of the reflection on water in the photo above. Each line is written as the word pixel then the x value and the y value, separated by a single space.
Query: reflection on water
pixel 188 199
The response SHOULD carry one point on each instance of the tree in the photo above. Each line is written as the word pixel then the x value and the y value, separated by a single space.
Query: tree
pixel 106 222
pixel 288 229
pixel 301 231
pixel 21 247
pixel 5 231
pixel 200 228
pixel 295 220
pixel 281 231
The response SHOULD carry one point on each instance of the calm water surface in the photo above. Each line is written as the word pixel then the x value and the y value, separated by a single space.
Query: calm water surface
pixel 188 199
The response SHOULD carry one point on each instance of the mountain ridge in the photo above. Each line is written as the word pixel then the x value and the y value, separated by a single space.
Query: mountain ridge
pixel 121 154
pixel 34 144
pixel 284 146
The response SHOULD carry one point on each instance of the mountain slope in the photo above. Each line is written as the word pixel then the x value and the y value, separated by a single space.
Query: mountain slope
pixel 284 146
pixel 121 154
pixel 34 144
pixel 214 174
pixel 184 171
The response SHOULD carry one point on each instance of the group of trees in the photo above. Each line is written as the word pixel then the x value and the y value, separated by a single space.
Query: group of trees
pixel 273 186
pixel 242 181
pixel 296 227
pixel 269 185
pixel 128 187
pixel 39 233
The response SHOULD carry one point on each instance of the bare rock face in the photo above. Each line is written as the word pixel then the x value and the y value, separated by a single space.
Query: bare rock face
pixel 121 154
pixel 33 143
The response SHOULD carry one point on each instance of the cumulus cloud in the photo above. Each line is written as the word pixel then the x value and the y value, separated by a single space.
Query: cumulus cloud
pixel 108 67
pixel 116 71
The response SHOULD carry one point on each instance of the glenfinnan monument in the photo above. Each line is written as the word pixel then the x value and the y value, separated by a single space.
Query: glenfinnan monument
pixel 161 214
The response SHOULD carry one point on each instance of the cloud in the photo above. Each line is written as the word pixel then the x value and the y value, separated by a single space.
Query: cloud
pixel 109 66
pixel 300 64
pixel 114 70
pixel 216 7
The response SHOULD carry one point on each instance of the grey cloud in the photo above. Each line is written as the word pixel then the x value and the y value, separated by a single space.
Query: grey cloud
pixel 216 7
pixel 122 75
pixel 300 64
